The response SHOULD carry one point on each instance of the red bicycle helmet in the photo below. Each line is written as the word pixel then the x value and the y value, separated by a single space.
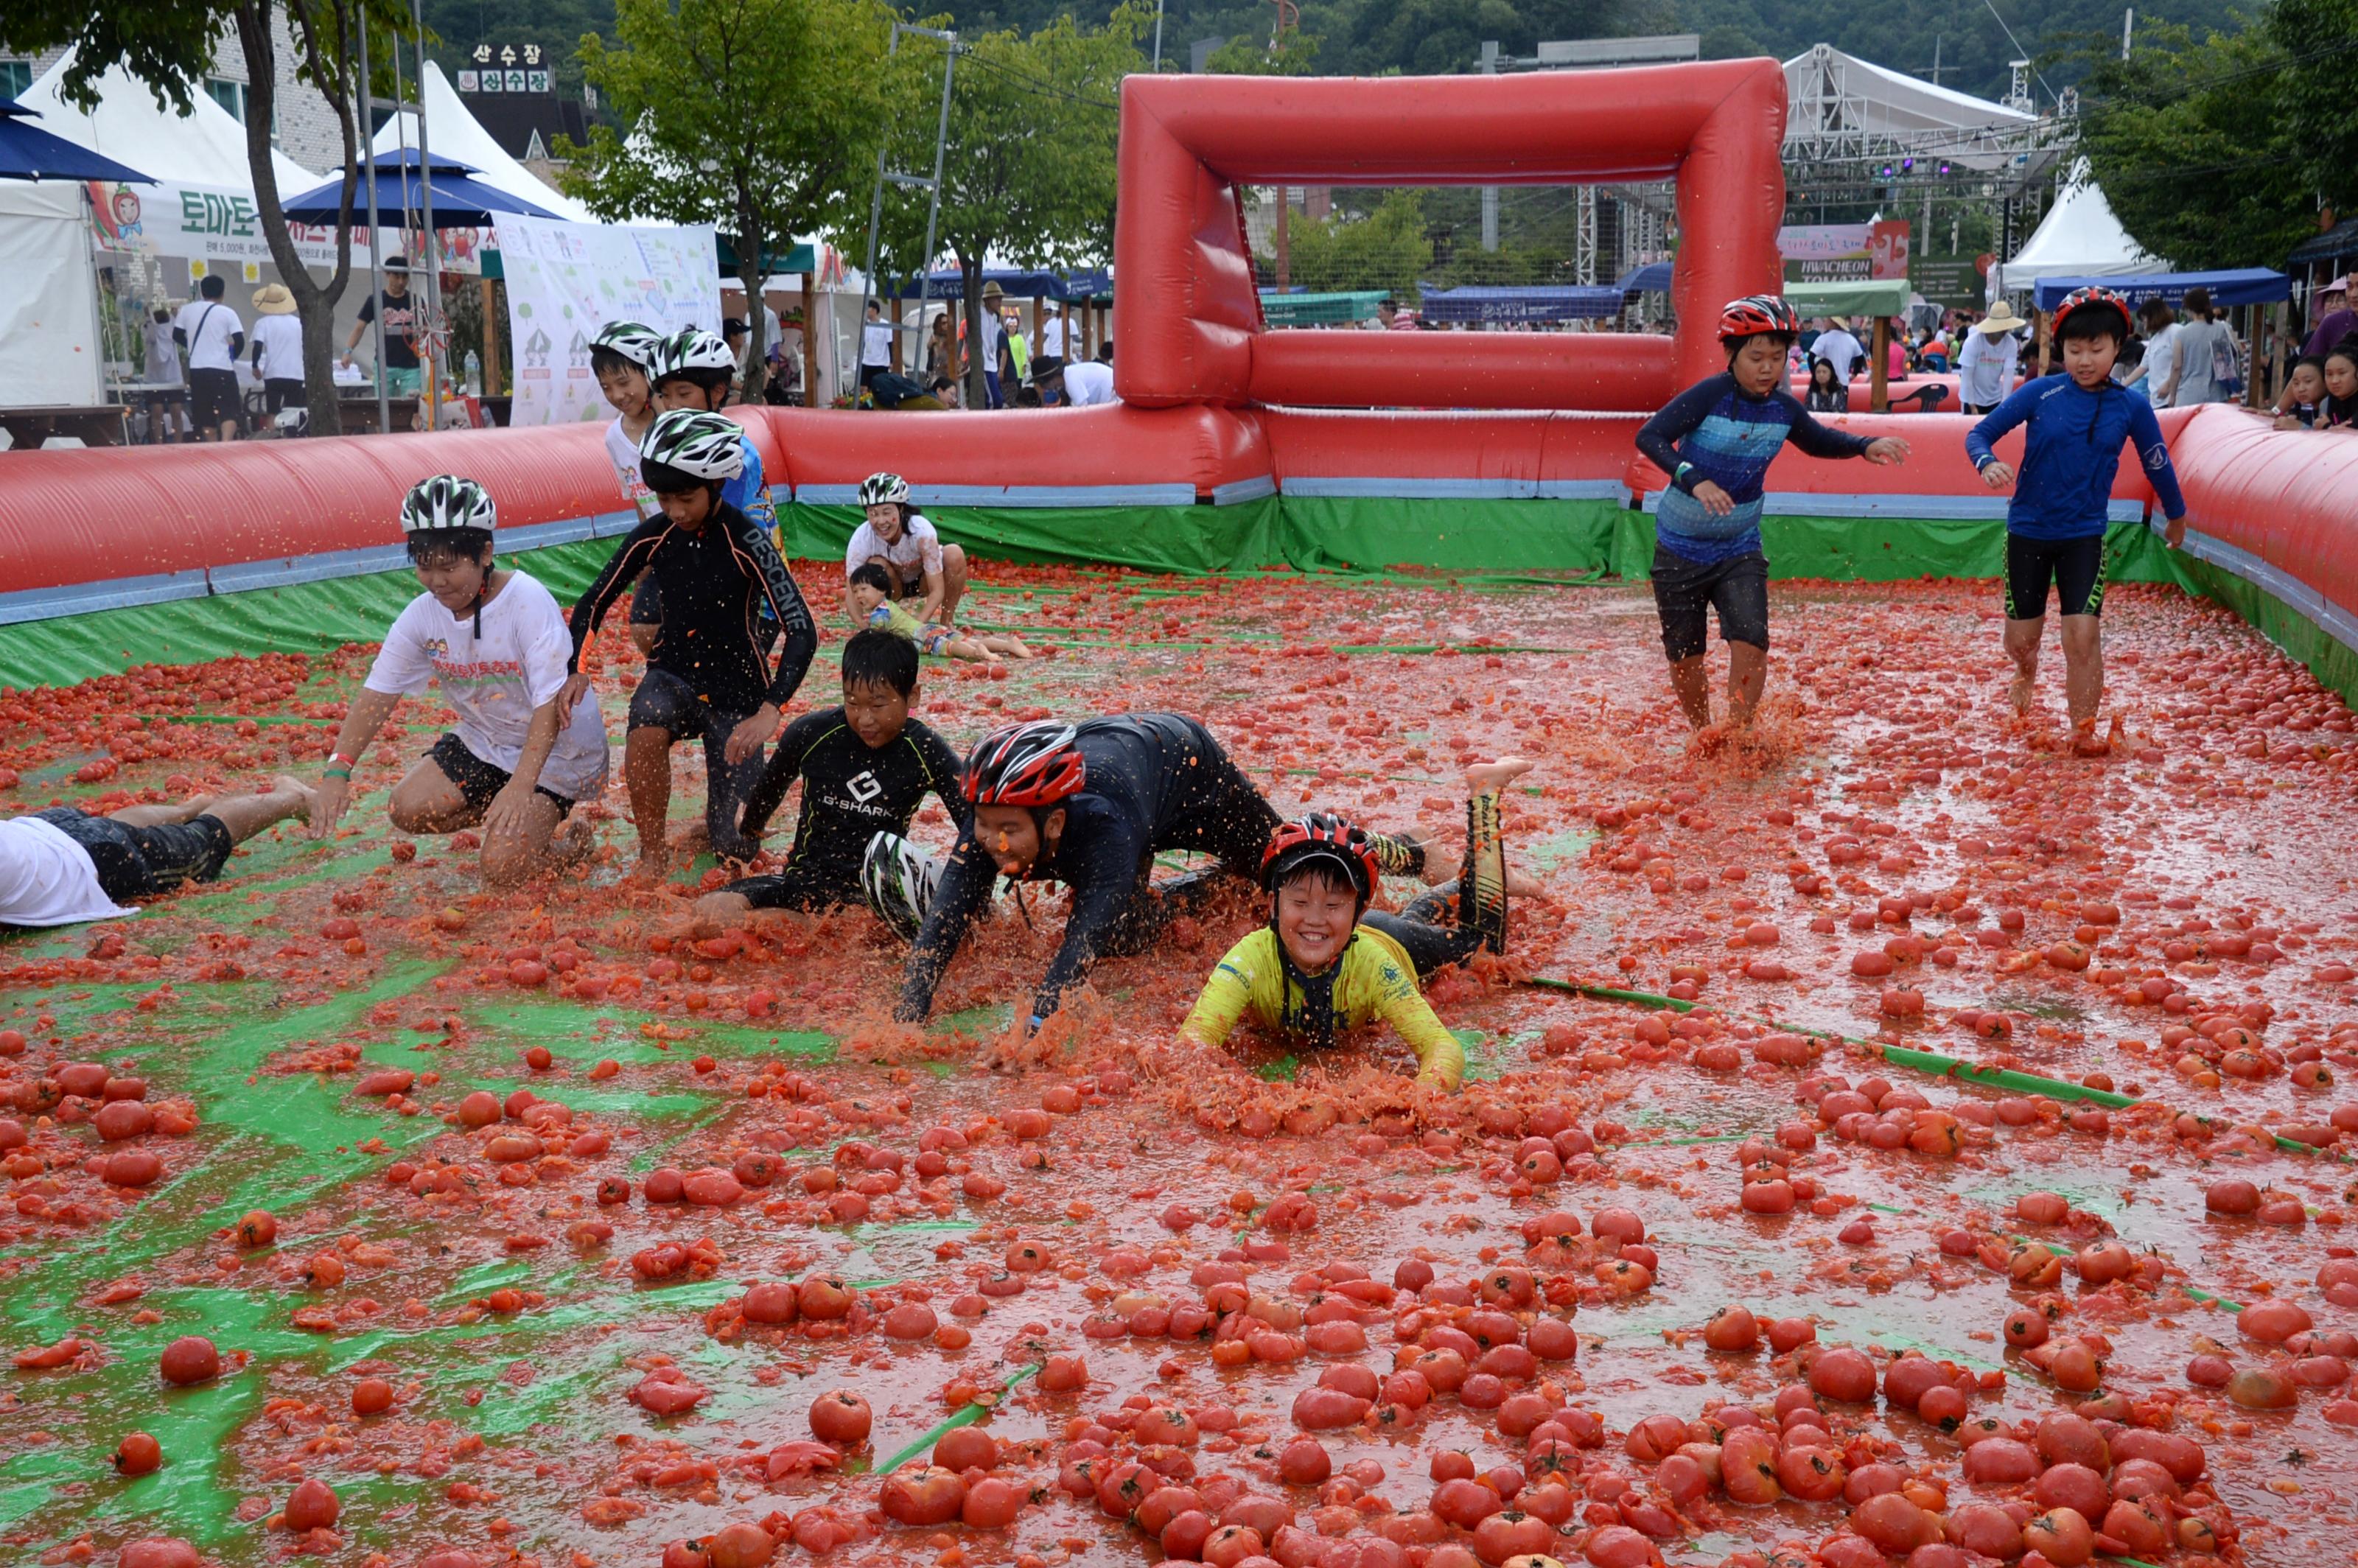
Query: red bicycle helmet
pixel 2092 297
pixel 1754 314
pixel 1025 765
pixel 1321 836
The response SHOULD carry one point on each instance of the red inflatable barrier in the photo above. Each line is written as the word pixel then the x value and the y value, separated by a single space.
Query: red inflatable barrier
pixel 2285 500
pixel 1188 316
pixel 1508 450
pixel 1201 447
pixel 104 513
pixel 1610 371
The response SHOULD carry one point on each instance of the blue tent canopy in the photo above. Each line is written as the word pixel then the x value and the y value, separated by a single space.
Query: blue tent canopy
pixel 1654 277
pixel 28 152
pixel 402 184
pixel 2243 286
pixel 950 284
pixel 1560 303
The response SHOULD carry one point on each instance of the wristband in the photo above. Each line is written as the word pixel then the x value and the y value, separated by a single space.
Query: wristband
pixel 339 757
pixel 343 773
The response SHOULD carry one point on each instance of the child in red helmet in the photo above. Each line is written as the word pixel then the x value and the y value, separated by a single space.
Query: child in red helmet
pixel 1326 963
pixel 1715 442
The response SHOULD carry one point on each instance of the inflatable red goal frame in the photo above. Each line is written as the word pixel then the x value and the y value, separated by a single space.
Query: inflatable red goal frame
pixel 1187 317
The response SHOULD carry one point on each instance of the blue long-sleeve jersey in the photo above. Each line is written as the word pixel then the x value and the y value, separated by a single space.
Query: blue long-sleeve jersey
pixel 2070 451
pixel 1713 432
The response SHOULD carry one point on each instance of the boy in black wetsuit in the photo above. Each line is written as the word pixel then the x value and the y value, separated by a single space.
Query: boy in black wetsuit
pixel 866 767
pixel 707 676
pixel 1090 805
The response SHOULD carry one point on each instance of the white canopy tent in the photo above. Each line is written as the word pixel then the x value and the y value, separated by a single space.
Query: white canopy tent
pixel 204 147
pixel 2078 238
pixel 50 350
pixel 451 132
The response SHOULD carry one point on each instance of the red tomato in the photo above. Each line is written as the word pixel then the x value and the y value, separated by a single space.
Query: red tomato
pixel 842 1418
pixel 921 1493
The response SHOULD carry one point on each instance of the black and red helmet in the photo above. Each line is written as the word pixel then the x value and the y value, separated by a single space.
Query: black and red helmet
pixel 1025 765
pixel 2095 297
pixel 1321 836
pixel 1754 314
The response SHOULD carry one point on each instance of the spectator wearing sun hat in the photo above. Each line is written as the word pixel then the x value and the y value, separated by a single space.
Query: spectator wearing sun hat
pixel 277 352
pixel 2336 320
pixel 1986 364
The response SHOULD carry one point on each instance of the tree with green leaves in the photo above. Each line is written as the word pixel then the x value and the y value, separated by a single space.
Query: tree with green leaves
pixel 1030 167
pixel 168 45
pixel 2191 143
pixel 2319 40
pixel 1388 249
pixel 762 117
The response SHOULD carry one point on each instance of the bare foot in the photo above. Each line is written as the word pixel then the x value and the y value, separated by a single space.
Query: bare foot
pixel 654 866
pixel 1488 778
pixel 575 840
pixel 1710 738
pixel 1522 886
pixel 2021 693
pixel 2086 742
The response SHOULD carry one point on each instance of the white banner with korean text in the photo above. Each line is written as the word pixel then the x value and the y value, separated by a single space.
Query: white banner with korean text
pixel 566 280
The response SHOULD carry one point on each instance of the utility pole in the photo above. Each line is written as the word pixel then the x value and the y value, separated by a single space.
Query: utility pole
pixel 1490 192
pixel 2128 25
pixel 376 233
pixel 1158 36
pixel 1938 68
pixel 436 335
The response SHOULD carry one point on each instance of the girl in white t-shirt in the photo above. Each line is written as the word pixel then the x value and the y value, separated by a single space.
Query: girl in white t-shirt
pixel 897 537
pixel 494 639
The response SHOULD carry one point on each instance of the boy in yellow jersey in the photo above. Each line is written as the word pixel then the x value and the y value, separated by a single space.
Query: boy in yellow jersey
pixel 1326 963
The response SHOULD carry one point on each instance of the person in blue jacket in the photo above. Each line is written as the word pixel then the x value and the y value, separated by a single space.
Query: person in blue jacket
pixel 2076 423
pixel 1715 442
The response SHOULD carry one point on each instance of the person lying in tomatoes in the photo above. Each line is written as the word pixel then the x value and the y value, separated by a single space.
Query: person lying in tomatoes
pixel 1090 805
pixel 1326 963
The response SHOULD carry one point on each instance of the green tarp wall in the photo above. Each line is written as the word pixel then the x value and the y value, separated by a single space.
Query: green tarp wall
pixel 1306 534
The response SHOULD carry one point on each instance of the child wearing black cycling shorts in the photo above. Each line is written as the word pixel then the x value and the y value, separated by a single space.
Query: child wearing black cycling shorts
pixel 1715 442
pixel 709 678
pixel 865 768
pixel 1326 963
pixel 2076 422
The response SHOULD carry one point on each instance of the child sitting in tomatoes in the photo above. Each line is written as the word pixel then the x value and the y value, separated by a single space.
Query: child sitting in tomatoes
pixel 1326 963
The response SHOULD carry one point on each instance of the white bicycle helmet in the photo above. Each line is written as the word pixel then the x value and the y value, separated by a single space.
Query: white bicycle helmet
pixel 448 501
pixel 899 881
pixel 878 489
pixel 690 349
pixel 633 340
pixel 703 446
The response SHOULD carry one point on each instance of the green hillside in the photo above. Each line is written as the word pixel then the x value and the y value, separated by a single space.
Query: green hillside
pixel 1427 36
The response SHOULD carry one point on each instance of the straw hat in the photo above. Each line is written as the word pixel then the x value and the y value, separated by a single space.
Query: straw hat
pixel 274 300
pixel 992 291
pixel 2001 319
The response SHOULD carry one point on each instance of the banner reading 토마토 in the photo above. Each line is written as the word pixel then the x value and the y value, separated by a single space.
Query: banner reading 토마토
pixel 566 280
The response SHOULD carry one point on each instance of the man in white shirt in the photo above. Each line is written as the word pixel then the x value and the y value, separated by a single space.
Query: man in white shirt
pixel 993 331
pixel 875 346
pixel 1839 349
pixel 1053 331
pixel 279 349
pixel 170 409
pixel 63 866
pixel 1986 364
pixel 1083 383
pixel 213 337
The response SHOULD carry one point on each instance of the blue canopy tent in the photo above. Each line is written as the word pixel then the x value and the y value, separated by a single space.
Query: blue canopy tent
pixel 1551 303
pixel 1654 277
pixel 28 152
pixel 2241 286
pixel 1084 282
pixel 402 187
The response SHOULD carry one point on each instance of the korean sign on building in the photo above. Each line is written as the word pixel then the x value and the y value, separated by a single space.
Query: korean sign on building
pixel 506 68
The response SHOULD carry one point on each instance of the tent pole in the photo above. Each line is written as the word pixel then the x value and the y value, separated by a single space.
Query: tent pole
pixel 426 198
pixel 377 232
pixel 1878 382
pixel 491 382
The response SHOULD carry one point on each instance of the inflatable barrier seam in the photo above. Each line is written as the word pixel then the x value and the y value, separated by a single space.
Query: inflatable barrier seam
pixel 2278 584
pixel 1075 496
